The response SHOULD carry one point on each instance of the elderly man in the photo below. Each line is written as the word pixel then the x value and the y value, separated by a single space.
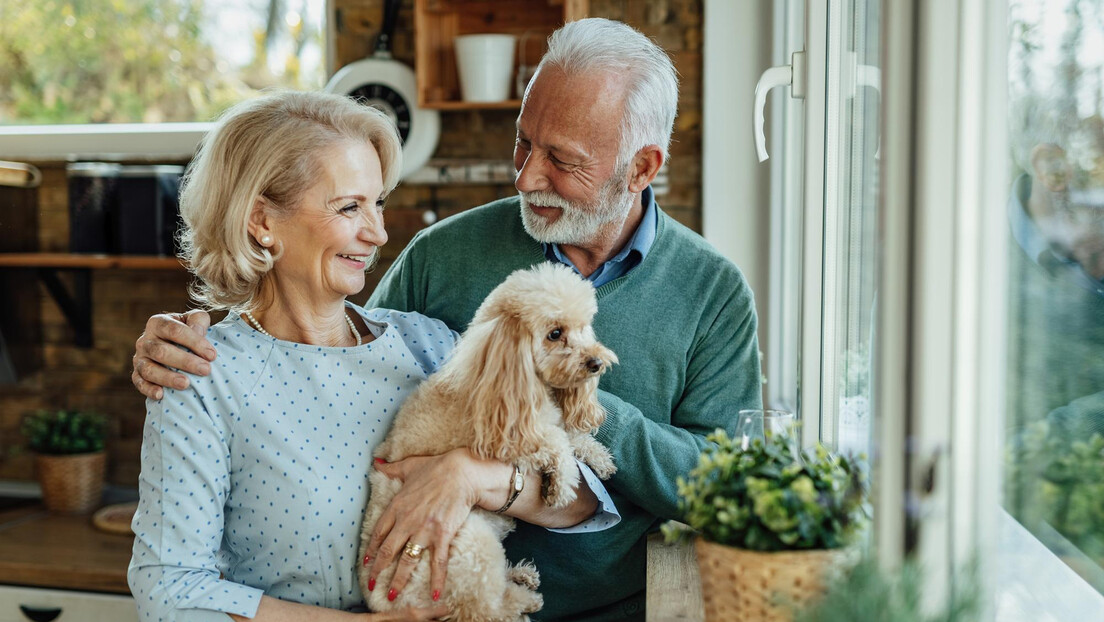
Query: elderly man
pixel 594 129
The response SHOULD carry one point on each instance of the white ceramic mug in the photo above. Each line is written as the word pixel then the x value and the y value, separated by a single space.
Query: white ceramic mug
pixel 486 65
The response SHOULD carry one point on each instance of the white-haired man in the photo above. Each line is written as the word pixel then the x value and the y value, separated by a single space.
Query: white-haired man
pixel 593 131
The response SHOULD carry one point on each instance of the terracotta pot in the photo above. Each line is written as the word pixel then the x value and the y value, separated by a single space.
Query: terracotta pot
pixel 741 585
pixel 71 484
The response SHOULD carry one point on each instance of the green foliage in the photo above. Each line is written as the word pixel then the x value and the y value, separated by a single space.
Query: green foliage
pixel 126 61
pixel 64 432
pixel 869 594
pixel 1059 476
pixel 762 499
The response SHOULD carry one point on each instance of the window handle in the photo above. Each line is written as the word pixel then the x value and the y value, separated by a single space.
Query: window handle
pixel 792 75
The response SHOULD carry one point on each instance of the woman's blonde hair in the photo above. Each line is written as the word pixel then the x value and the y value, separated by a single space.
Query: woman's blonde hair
pixel 268 148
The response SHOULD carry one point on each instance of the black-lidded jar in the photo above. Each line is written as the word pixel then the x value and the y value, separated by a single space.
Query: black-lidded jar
pixel 91 194
pixel 147 209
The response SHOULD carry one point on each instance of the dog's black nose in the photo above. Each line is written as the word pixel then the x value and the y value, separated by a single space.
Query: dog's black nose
pixel 594 365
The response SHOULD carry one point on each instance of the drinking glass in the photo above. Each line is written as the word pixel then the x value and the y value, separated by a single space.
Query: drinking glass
pixel 763 424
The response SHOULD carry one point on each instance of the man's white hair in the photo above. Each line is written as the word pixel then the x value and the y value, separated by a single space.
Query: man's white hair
pixel 651 101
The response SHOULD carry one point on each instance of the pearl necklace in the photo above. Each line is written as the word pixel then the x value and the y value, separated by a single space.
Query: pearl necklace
pixel 260 329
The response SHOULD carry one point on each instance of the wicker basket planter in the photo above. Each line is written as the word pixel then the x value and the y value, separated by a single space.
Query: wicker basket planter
pixel 748 586
pixel 71 484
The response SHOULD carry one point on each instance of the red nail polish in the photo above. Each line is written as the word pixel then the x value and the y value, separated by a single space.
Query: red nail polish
pixel 371 584
pixel 392 594
pixel 436 595
pixel 367 560
pixel 380 461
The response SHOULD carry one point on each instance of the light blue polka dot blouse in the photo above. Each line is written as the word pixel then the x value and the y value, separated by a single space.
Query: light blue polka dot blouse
pixel 255 478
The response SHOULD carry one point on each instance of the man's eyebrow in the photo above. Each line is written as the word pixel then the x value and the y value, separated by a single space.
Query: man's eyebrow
pixel 565 151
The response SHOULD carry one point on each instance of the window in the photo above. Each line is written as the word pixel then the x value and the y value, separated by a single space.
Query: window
pixel 1054 421
pixel 77 75
pixel 823 214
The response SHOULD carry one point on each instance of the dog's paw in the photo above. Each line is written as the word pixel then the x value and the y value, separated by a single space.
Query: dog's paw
pixel 558 491
pixel 524 573
pixel 535 604
pixel 594 454
pixel 602 465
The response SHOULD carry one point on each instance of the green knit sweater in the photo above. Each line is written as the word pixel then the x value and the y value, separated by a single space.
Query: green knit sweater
pixel 682 323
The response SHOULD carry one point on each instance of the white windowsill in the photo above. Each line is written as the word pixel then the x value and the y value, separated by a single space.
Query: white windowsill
pixel 114 141
pixel 1034 585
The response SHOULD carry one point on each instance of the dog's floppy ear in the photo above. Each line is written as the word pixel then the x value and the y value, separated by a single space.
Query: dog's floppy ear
pixel 581 410
pixel 506 394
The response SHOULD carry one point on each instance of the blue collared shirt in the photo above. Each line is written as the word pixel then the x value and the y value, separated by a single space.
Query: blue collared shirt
pixel 1038 248
pixel 629 257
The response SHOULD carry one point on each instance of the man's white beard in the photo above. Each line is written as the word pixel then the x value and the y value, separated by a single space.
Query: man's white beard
pixel 579 224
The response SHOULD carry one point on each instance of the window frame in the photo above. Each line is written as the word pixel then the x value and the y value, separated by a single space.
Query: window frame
pixel 940 351
pixel 124 141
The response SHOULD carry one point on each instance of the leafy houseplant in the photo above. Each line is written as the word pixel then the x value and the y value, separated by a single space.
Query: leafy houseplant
pixel 766 515
pixel 70 461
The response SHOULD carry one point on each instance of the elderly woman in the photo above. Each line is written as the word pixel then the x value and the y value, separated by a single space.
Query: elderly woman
pixel 254 478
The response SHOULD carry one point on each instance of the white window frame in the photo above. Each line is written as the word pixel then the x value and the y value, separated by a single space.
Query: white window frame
pixel 121 141
pixel 940 324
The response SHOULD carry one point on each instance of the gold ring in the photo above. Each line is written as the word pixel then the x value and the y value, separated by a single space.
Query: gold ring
pixel 413 551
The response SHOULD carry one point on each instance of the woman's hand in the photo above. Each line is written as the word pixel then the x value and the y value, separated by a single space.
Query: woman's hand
pixel 157 349
pixel 437 494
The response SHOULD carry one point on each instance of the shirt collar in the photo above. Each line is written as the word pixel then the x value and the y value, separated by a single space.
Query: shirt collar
pixel 1035 244
pixel 1027 234
pixel 640 242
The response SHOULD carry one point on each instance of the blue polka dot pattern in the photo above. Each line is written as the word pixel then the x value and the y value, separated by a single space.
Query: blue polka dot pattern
pixel 259 471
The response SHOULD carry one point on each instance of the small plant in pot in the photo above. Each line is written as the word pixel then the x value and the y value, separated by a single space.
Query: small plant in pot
pixel 70 458
pixel 775 524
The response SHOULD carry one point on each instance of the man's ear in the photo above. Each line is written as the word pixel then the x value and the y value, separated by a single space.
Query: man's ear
pixel 645 167
pixel 260 222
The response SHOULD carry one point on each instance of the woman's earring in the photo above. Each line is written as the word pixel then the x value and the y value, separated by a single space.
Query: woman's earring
pixel 266 240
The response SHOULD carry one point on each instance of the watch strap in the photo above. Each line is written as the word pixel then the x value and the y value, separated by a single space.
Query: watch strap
pixel 517 484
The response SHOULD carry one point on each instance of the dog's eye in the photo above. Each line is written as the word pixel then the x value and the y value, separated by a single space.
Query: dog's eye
pixel 555 335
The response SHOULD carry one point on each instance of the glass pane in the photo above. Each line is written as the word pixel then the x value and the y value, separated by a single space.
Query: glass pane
pixel 152 61
pixel 787 147
pixel 849 306
pixel 1054 427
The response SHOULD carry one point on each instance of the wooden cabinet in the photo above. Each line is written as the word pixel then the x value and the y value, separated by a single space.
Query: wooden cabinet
pixel 438 22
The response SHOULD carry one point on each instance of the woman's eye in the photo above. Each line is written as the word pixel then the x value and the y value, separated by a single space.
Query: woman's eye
pixel 350 208
pixel 379 203
pixel 555 335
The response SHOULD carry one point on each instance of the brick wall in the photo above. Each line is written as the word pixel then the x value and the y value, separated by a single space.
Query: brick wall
pixel 98 378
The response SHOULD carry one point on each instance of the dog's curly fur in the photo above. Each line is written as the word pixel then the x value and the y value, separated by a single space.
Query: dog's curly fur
pixel 520 387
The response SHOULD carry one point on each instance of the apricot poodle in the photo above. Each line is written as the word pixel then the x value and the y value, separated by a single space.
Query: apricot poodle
pixel 520 387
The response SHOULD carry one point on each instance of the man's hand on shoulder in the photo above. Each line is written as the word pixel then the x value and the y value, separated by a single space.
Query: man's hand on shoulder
pixel 159 348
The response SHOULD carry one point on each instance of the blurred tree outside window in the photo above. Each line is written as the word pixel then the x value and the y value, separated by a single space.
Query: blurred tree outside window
pixel 152 61
pixel 1054 480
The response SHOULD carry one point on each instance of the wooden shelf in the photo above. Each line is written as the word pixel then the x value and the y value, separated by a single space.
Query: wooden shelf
pixel 83 260
pixel 438 22
pixel 75 299
pixel 514 104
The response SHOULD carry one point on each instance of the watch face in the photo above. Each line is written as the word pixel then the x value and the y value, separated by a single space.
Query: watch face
pixel 387 100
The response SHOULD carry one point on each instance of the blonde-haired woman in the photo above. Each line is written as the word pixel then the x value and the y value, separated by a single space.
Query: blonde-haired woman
pixel 254 477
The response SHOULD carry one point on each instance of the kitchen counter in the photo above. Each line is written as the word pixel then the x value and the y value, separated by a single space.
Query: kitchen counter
pixel 63 552
pixel 66 552
pixel 674 585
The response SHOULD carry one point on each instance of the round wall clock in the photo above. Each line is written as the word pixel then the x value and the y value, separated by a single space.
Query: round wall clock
pixel 389 86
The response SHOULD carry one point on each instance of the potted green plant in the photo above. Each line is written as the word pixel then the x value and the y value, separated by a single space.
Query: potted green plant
pixel 775 524
pixel 70 458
